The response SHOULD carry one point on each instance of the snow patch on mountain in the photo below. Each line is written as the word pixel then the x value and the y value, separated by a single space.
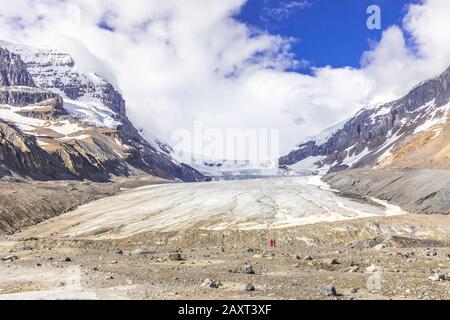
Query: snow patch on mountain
pixel 325 135
pixel 30 125
pixel 355 158
pixel 381 112
pixel 310 165
pixel 56 71
pixel 91 111
pixel 437 117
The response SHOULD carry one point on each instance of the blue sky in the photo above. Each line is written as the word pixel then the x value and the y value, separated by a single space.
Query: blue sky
pixel 325 33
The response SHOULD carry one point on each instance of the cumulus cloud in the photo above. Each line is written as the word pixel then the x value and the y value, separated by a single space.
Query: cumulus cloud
pixel 177 62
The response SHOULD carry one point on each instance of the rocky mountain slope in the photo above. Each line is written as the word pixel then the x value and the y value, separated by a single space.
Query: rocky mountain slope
pixel 424 191
pixel 411 132
pixel 13 71
pixel 62 121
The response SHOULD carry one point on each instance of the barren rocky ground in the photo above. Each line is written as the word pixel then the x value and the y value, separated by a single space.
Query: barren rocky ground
pixel 414 190
pixel 402 257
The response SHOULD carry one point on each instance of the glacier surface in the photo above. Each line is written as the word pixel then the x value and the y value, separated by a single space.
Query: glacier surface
pixel 220 205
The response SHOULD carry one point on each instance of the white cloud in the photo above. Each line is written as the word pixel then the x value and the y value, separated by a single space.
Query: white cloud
pixel 283 10
pixel 181 61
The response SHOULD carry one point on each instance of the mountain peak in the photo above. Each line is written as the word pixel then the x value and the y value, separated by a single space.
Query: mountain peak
pixel 78 117
pixel 376 136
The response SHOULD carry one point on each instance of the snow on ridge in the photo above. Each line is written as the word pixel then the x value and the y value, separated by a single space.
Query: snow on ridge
pixel 55 70
pixel 381 111
pixel 52 68
pixel 325 135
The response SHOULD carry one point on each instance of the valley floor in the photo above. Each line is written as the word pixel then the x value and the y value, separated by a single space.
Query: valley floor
pixel 163 241
pixel 401 257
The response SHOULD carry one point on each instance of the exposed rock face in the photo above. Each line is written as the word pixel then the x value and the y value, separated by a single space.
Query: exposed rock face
pixel 17 88
pixel 429 149
pixel 79 160
pixel 27 96
pixel 104 142
pixel 45 110
pixel 374 133
pixel 13 71
pixel 21 153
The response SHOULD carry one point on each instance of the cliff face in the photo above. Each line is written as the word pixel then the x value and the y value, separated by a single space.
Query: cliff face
pixel 78 118
pixel 29 96
pixel 20 153
pixel 13 71
pixel 374 136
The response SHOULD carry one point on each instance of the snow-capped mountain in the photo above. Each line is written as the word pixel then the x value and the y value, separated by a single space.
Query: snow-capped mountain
pixel 78 117
pixel 413 131
pixel 87 97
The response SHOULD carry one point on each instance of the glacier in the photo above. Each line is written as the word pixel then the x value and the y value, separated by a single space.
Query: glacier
pixel 270 203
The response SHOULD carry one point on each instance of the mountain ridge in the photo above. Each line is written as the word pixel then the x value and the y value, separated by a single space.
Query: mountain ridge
pixel 78 118
pixel 376 134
